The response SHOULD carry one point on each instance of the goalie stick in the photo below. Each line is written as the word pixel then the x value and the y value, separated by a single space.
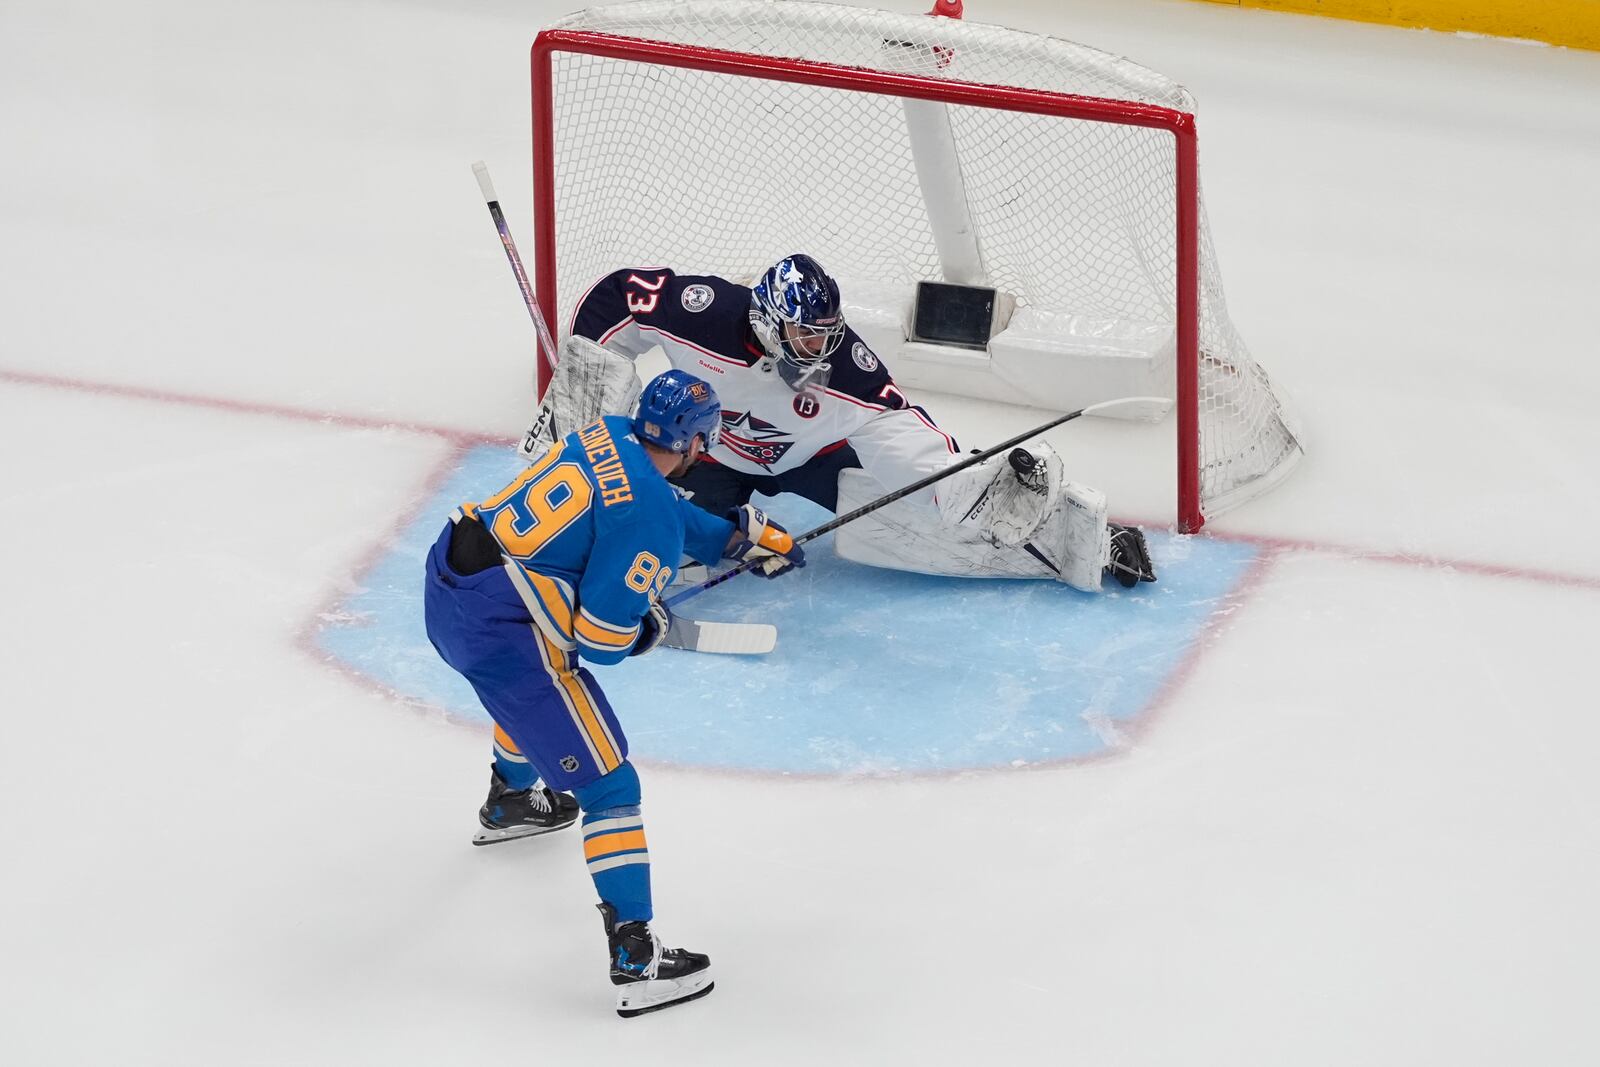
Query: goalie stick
pixel 728 638
pixel 921 483
pixel 546 343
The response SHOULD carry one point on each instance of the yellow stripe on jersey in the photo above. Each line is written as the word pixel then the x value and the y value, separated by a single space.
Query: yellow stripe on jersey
pixel 548 600
pixel 555 598
pixel 597 633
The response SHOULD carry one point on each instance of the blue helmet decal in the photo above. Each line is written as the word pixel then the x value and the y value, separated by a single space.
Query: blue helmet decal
pixel 795 311
pixel 675 408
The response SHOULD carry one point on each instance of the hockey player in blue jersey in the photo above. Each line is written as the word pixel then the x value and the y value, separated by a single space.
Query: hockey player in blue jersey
pixel 566 563
pixel 806 402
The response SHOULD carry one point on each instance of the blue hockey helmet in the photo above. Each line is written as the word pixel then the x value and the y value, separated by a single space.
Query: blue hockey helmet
pixel 794 310
pixel 675 408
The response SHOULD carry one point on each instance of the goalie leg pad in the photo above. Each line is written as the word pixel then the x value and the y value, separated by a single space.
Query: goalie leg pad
pixel 1075 532
pixel 589 381
pixel 1006 497
pixel 1069 546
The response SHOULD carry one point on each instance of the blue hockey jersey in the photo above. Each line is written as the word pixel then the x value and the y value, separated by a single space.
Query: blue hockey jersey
pixel 596 533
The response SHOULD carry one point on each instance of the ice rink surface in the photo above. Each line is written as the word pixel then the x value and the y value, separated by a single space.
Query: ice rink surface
pixel 254 331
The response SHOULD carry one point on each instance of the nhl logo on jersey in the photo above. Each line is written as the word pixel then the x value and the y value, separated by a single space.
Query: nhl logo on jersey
pixel 863 357
pixel 697 297
pixel 569 763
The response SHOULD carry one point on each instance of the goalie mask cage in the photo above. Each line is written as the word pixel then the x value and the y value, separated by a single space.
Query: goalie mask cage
pixel 715 136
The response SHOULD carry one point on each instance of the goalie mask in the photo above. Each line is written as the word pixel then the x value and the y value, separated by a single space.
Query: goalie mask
pixel 795 313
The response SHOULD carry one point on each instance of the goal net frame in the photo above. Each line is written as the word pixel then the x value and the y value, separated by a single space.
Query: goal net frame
pixel 1180 124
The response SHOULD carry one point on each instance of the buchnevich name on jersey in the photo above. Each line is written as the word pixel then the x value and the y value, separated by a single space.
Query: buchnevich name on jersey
pixel 601 451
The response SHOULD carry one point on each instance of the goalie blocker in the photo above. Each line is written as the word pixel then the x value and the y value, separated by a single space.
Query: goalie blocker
pixel 589 381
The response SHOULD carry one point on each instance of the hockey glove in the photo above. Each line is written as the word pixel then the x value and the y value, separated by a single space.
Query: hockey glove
pixel 761 539
pixel 652 629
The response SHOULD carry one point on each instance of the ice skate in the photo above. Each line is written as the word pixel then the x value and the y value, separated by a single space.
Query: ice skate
pixel 652 977
pixel 510 814
pixel 1130 559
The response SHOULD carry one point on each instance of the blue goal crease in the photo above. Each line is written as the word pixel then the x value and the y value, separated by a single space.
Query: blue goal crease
pixel 876 672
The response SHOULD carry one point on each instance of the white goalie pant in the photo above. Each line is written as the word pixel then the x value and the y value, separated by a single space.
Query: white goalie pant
pixel 589 381
pixel 907 536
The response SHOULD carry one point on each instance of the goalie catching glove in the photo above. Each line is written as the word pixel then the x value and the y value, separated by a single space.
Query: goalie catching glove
pixel 759 538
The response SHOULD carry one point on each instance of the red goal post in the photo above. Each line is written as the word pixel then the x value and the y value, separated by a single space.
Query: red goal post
pixel 633 41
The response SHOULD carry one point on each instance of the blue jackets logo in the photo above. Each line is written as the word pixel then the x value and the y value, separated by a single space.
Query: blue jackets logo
pixel 753 439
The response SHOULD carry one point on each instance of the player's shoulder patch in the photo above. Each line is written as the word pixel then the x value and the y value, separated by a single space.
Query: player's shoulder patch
pixel 711 314
pixel 863 356
pixel 857 371
pixel 697 297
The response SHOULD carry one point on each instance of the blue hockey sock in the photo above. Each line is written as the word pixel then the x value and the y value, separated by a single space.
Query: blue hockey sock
pixel 614 845
pixel 510 764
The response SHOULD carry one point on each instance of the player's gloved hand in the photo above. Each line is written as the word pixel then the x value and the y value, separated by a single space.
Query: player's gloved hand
pixel 652 629
pixel 759 538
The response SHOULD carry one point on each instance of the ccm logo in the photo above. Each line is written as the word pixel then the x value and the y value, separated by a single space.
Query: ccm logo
pixel 710 366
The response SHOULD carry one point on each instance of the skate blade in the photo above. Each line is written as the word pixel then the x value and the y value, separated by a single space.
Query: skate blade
pixel 640 998
pixel 491 836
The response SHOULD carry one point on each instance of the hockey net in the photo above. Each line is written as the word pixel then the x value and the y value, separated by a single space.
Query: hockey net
pixel 715 136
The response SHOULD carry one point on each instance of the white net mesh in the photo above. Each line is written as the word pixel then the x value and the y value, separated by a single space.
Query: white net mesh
pixel 720 174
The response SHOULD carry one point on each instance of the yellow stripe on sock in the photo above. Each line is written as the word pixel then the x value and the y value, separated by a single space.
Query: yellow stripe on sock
pixel 606 844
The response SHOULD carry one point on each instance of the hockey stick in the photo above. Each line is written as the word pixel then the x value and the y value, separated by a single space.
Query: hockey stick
pixel 921 483
pixel 546 342
pixel 721 638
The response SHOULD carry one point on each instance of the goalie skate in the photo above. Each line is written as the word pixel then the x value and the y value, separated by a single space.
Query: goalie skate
pixel 1129 561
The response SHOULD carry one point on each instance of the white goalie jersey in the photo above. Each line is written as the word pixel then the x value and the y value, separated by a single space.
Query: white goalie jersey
pixel 702 324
